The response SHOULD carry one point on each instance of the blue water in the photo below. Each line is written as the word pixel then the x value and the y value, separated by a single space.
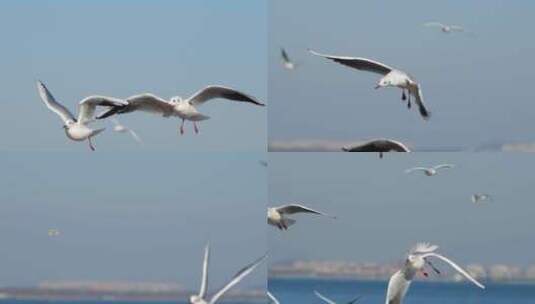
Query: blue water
pixel 295 291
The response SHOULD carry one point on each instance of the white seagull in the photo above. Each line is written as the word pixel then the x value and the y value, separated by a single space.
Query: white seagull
pixel 276 216
pixel 287 63
pixel 53 232
pixel 480 197
pixel 329 301
pixel 272 298
pixel 201 297
pixel 378 145
pixel 444 27
pixel 77 129
pixel 120 128
pixel 415 262
pixel 391 78
pixel 431 170
pixel 185 109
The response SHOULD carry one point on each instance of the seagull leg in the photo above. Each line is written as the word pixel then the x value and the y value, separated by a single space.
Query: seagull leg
pixel 409 101
pixel 195 127
pixel 403 96
pixel 90 144
pixel 380 154
pixel 182 127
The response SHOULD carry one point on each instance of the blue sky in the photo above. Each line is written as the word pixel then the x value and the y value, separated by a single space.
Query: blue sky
pixel 123 48
pixel 137 217
pixel 478 87
pixel 382 211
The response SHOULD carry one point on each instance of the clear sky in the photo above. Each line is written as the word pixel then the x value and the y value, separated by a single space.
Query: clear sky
pixel 383 211
pixel 136 217
pixel 123 48
pixel 478 86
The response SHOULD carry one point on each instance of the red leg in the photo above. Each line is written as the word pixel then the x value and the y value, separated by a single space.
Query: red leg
pixel 90 144
pixel 195 128
pixel 182 127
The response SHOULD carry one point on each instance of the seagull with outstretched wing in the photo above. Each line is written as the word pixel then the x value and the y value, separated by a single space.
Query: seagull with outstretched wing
pixel 185 109
pixel 78 129
pixel 430 171
pixel 390 78
pixel 277 216
pixel 378 145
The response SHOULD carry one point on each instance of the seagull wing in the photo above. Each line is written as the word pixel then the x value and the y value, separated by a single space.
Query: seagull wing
pixel 369 146
pixel 204 280
pixel 236 279
pixel 296 208
pixel 397 288
pixel 416 91
pixel 443 166
pixel 434 24
pixel 358 63
pixel 284 56
pixel 135 136
pixel 415 169
pixel 423 247
pixel 144 102
pixel 212 92
pixel 354 300
pixel 86 108
pixel 396 146
pixel 456 267
pixel 272 298
pixel 457 28
pixel 53 105
pixel 324 298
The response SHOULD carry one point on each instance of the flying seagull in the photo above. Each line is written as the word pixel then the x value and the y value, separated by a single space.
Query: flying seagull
pixel 77 129
pixel 263 163
pixel 391 78
pixel 415 262
pixel 185 109
pixel 120 128
pixel 329 301
pixel 201 297
pixel 444 27
pixel 276 216
pixel 378 145
pixel 272 298
pixel 431 170
pixel 286 62
pixel 53 232
pixel 480 197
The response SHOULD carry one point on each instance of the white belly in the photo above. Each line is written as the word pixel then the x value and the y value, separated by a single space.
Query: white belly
pixel 78 132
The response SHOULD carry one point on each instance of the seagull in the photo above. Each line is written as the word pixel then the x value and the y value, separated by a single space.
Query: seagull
pixel 120 128
pixel 415 262
pixel 378 145
pixel 263 163
pixel 185 109
pixel 444 27
pixel 391 78
pixel 480 197
pixel 286 62
pixel 77 129
pixel 276 216
pixel 329 301
pixel 53 232
pixel 431 170
pixel 201 297
pixel 272 298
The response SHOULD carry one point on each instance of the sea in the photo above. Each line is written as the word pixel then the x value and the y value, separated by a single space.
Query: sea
pixel 301 291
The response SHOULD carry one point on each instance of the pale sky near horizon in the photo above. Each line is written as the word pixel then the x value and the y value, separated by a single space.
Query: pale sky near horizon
pixel 123 48
pixel 478 87
pixel 136 217
pixel 383 211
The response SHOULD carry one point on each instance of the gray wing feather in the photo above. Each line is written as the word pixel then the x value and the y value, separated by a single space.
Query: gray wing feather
pixel 358 63
pixel 53 105
pixel 212 92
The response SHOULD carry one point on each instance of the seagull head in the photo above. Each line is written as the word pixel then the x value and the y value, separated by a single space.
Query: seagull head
pixel 383 82
pixel 176 99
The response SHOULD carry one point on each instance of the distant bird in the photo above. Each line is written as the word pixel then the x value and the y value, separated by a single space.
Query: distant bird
pixel 480 197
pixel 378 145
pixel 185 109
pixel 263 163
pixel 444 27
pixel 391 78
pixel 287 63
pixel 276 216
pixel 431 170
pixel 53 232
pixel 201 297
pixel 77 129
pixel 415 262
pixel 329 301
pixel 272 298
pixel 120 128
